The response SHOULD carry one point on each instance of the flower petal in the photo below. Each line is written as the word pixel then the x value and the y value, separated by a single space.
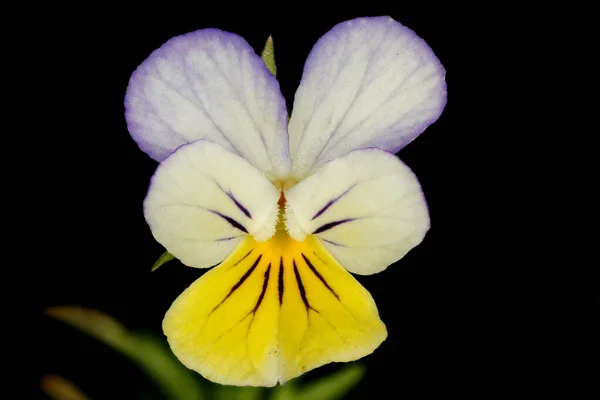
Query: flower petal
pixel 368 82
pixel 270 312
pixel 367 208
pixel 209 84
pixel 203 200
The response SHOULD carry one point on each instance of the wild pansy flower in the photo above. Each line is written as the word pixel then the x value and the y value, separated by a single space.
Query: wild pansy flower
pixel 286 210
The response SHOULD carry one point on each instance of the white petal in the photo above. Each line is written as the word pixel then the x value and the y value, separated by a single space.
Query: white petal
pixel 368 82
pixel 203 200
pixel 209 84
pixel 366 207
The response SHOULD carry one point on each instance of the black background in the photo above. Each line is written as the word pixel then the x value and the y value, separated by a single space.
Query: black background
pixel 461 319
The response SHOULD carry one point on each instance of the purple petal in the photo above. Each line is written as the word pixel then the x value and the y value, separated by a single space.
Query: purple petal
pixel 211 85
pixel 368 82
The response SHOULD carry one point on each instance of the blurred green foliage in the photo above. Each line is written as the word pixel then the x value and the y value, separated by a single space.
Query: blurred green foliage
pixel 60 388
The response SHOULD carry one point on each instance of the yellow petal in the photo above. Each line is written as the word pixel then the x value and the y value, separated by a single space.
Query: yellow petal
pixel 270 312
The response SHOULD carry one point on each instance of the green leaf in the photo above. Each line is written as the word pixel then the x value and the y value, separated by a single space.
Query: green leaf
pixel 332 387
pixel 268 56
pixel 164 258
pixel 146 350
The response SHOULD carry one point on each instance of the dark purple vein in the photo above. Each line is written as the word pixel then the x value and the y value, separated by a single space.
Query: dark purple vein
pixel 333 224
pixel 314 270
pixel 331 202
pixel 231 221
pixel 239 283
